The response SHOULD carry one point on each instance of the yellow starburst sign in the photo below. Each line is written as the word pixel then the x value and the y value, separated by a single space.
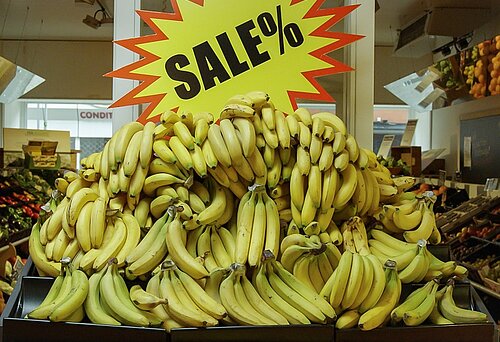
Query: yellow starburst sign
pixel 207 50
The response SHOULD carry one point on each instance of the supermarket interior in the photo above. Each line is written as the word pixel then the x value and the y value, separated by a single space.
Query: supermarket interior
pixel 208 170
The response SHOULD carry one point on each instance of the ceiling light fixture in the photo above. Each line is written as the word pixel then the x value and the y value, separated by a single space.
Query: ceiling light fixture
pixel 446 50
pixel 91 21
pixel 96 23
pixel 463 42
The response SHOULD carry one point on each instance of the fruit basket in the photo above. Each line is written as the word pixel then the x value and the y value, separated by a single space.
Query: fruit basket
pixel 464 295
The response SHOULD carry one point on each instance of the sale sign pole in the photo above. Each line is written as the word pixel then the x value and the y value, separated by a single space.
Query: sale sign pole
pixel 205 50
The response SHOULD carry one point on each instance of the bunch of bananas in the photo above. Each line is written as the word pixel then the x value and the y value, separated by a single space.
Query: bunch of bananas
pixel 438 307
pixel 237 222
pixel 189 304
pixel 411 217
pixel 286 294
pixel 447 307
pixel 417 306
pixel 213 246
pixel 64 301
pixel 414 262
pixel 310 259
pixel 358 281
pixel 258 226
pixel 368 318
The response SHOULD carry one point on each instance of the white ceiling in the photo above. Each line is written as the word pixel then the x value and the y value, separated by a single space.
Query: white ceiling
pixel 62 19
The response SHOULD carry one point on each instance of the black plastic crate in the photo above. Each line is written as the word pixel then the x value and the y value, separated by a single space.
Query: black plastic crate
pixel 31 290
pixel 464 295
pixel 442 252
pixel 289 333
pixel 30 293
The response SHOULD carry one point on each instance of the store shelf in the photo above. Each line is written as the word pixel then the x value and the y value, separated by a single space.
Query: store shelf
pixel 459 216
pixel 496 243
pixel 15 243
pixel 485 290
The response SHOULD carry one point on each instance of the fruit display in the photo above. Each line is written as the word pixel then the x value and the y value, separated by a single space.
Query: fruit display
pixel 475 239
pixel 21 198
pixel 391 162
pixel 8 279
pixel 260 218
pixel 450 78
pixel 481 67
pixel 490 272
pixel 481 232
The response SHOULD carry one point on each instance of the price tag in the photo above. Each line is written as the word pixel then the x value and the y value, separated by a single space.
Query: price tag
pixel 411 125
pixel 17 270
pixel 442 177
pixel 385 146
pixel 206 51
pixel 492 184
pixel 467 151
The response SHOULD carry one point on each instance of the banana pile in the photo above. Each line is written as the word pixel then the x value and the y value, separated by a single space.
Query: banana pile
pixel 256 219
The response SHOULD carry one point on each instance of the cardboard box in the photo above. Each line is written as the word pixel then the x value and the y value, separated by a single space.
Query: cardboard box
pixel 41 155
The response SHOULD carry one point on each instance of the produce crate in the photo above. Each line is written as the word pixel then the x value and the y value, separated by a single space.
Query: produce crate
pixel 442 252
pixel 31 290
pixel 464 295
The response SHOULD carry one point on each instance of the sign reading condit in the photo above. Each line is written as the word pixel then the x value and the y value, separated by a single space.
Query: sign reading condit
pixel 208 50
pixel 96 115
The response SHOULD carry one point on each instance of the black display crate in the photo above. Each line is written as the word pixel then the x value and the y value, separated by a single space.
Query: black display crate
pixel 442 252
pixel 31 290
pixel 465 296
pixel 288 333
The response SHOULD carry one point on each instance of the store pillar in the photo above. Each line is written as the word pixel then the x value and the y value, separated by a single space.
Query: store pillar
pixel 126 25
pixel 358 97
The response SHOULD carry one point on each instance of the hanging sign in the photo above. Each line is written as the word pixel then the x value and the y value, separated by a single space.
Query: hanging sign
pixel 207 50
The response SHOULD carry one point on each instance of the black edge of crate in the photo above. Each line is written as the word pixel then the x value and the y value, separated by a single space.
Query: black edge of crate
pixel 289 333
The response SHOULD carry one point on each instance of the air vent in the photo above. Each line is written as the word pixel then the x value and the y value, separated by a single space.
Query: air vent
pixel 436 28
pixel 412 32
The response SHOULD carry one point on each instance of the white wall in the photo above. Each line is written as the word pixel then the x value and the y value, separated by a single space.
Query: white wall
pixel 422 135
pixel 446 127
pixel 13 115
